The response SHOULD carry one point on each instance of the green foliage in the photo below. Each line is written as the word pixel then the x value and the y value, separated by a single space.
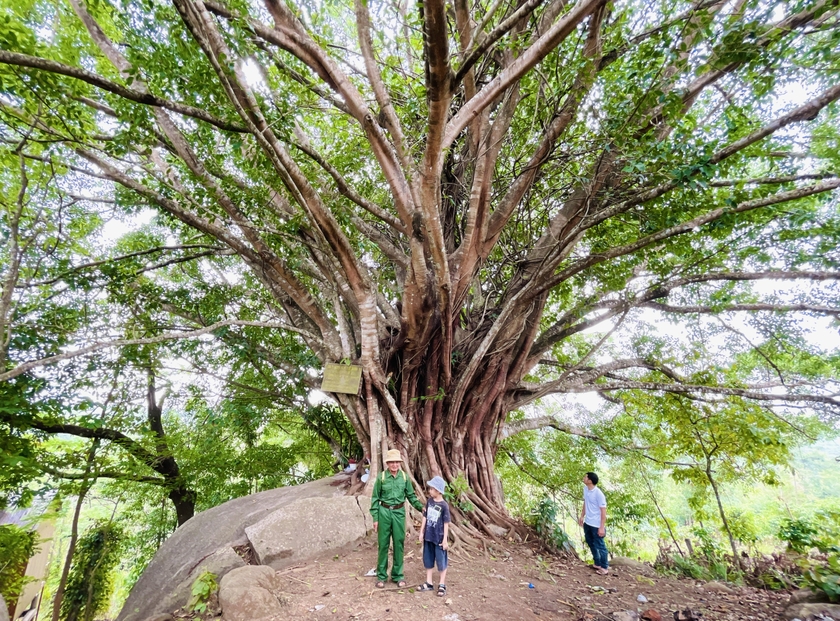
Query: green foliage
pixel 456 494
pixel 91 572
pixel 203 587
pixel 149 519
pixel 708 545
pixel 543 519
pixel 21 453
pixel 690 568
pixel 823 575
pixel 241 421
pixel 709 561
pixel 743 527
pixel 17 545
pixel 799 533
pixel 821 530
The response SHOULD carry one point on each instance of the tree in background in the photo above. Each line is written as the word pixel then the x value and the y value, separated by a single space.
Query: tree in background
pixel 116 396
pixel 89 583
pixel 474 203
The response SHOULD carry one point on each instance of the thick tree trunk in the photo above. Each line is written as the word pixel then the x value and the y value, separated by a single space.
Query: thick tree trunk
pixel 448 437
pixel 184 501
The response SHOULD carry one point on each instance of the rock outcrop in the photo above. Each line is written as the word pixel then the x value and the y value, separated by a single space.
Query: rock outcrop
pixel 718 587
pixel 633 565
pixel 305 528
pixel 250 593
pixel 279 522
pixel 806 596
pixel 805 604
pixel 813 611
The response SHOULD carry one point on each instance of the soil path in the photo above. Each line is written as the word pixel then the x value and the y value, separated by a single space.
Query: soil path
pixel 516 583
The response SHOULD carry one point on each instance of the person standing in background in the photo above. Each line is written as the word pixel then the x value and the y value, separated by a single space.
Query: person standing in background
pixel 593 518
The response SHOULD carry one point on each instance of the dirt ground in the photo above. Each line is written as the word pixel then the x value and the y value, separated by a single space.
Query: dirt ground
pixel 514 583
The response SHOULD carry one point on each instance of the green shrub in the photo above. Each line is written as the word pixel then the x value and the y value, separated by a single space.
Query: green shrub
pixel 720 570
pixel 799 534
pixel 90 580
pixel 17 546
pixel 543 519
pixel 823 576
pixel 743 528
pixel 708 545
pixel 688 567
pixel 708 561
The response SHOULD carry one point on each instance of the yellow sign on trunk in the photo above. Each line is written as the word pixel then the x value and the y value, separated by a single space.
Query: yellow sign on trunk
pixel 342 378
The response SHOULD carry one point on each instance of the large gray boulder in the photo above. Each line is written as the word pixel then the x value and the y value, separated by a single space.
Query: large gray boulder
pixel 250 593
pixel 206 542
pixel 632 565
pixel 218 563
pixel 718 587
pixel 806 596
pixel 307 527
pixel 4 611
pixel 819 610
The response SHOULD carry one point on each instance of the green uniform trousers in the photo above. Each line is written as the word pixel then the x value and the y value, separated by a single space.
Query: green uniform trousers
pixel 391 526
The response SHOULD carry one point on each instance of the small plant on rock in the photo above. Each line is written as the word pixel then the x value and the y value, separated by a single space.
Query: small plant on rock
pixel 202 589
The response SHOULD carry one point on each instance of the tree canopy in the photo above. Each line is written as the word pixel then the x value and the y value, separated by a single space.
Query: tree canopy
pixel 481 204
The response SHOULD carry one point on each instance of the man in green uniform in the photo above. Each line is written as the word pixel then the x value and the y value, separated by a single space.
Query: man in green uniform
pixel 387 506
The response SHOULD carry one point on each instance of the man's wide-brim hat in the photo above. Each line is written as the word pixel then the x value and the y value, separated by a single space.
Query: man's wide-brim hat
pixel 393 455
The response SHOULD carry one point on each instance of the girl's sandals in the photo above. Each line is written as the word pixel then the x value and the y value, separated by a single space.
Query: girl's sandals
pixel 401 583
pixel 603 572
pixel 426 586
pixel 441 590
pixel 380 584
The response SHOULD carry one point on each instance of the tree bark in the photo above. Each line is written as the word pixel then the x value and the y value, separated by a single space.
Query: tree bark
pixel 723 516
pixel 181 496
pixel 662 515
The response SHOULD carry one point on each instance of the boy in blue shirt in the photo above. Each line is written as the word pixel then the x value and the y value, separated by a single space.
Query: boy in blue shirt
pixel 434 535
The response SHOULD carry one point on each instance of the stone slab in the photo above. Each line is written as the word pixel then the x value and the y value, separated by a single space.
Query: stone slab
pixel 206 533
pixel 307 527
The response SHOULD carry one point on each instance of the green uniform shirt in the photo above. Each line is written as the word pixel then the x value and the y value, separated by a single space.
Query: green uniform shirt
pixel 392 490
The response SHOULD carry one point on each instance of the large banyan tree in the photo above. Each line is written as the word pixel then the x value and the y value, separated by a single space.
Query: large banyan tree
pixel 469 200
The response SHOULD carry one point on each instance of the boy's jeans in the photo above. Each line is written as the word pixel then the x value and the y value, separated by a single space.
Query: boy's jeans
pixel 597 545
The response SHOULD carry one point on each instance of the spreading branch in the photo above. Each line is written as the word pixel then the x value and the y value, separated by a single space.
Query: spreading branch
pixel 43 64
pixel 162 338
